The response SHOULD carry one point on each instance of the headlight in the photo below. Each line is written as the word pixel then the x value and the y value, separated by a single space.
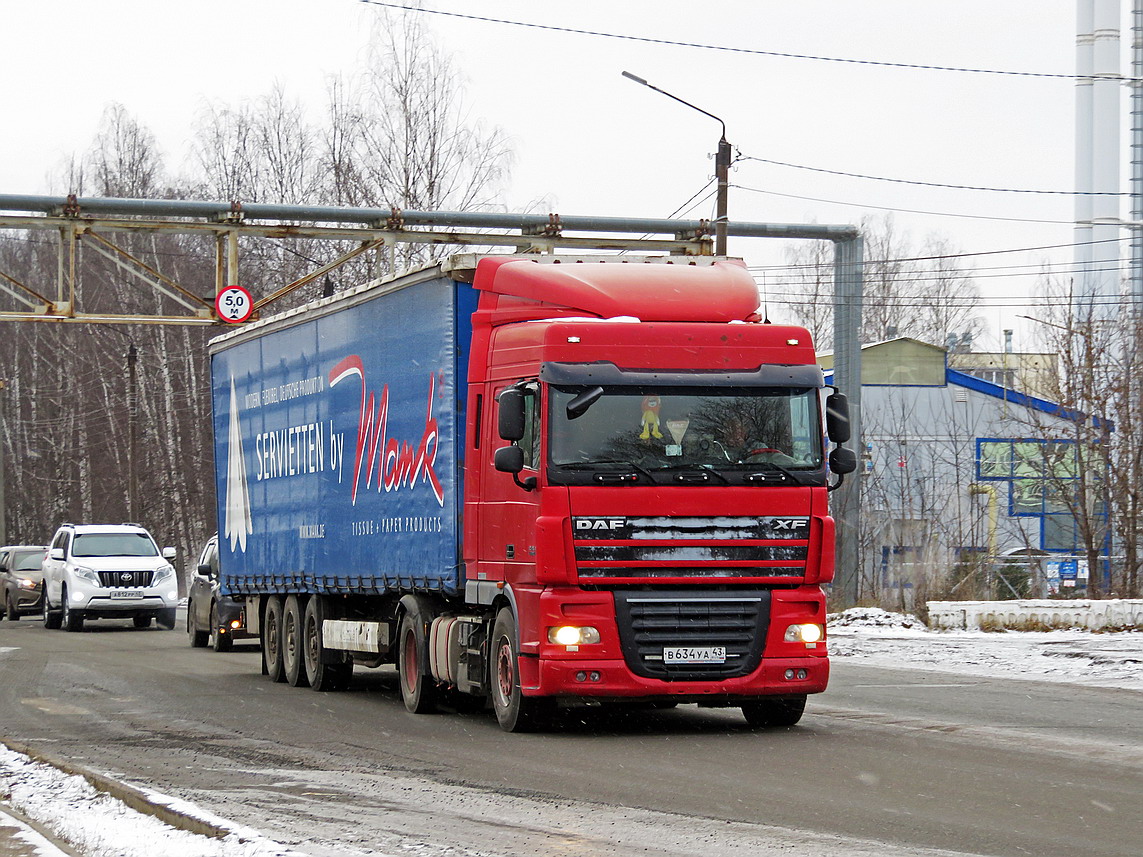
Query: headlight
pixel 25 583
pixel 808 633
pixel 87 574
pixel 570 635
pixel 161 574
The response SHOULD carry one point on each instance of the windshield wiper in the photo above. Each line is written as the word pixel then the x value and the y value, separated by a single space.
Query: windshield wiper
pixel 771 469
pixel 590 465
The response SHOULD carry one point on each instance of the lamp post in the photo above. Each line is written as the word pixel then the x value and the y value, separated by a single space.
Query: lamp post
pixel 721 166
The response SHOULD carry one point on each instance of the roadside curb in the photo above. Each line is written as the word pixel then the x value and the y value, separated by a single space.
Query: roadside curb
pixel 14 815
pixel 135 798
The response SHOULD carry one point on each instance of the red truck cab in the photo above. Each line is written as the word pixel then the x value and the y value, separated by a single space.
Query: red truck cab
pixel 646 489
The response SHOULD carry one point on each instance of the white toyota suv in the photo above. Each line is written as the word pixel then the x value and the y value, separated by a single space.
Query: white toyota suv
pixel 111 571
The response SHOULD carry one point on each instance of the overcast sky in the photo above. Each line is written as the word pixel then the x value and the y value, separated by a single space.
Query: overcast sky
pixel 593 142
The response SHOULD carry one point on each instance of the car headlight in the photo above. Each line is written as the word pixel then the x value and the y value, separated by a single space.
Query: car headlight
pixel 25 583
pixel 87 574
pixel 570 635
pixel 807 633
pixel 162 573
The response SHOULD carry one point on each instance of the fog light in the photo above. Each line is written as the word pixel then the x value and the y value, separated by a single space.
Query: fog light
pixel 789 675
pixel 808 633
pixel 581 676
pixel 594 676
pixel 570 635
pixel 802 674
pixel 235 624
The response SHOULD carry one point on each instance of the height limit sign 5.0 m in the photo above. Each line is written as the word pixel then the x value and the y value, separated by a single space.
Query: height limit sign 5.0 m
pixel 234 304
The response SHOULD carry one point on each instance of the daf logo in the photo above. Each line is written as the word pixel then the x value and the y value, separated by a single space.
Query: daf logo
pixel 608 524
pixel 790 523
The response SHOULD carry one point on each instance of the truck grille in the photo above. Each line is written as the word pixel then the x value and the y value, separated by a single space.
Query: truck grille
pixel 650 621
pixel 734 547
pixel 125 578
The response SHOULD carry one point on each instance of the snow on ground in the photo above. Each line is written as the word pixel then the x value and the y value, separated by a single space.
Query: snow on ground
pixel 98 825
pixel 880 638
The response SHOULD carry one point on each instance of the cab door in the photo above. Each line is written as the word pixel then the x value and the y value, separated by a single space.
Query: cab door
pixel 507 521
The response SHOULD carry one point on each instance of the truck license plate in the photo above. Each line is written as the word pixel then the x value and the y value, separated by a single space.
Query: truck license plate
pixel 126 593
pixel 694 655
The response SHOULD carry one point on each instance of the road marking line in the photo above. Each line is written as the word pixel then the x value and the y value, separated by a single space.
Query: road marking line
pixel 53 706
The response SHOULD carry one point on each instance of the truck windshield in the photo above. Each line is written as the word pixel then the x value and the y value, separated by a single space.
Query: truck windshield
pixel 650 429
pixel 113 544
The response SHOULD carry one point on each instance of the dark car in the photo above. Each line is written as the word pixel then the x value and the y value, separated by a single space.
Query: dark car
pixel 212 618
pixel 22 578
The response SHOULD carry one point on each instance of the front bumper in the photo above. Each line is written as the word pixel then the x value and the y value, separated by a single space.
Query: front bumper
pixel 103 601
pixel 613 679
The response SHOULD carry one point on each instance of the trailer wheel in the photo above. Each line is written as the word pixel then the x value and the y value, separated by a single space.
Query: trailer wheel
pixel 783 711
pixel 272 639
pixel 293 643
pixel 514 711
pixel 323 676
pixel 417 689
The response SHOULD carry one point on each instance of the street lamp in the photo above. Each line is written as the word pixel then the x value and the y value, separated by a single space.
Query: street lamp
pixel 721 166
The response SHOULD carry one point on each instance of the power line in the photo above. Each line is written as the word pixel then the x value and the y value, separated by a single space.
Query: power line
pixel 728 49
pixel 902 210
pixel 919 183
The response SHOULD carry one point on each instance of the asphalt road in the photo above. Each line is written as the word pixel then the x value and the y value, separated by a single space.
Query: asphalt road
pixel 886 762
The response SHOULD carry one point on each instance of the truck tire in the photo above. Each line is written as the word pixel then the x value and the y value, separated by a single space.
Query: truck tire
pixel 780 711
pixel 418 691
pixel 293 643
pixel 166 618
pixel 51 620
pixel 71 620
pixel 198 639
pixel 272 639
pixel 514 711
pixel 219 641
pixel 323 676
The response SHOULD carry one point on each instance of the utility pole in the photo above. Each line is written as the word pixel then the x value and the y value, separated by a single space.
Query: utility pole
pixel 721 167
pixel 132 436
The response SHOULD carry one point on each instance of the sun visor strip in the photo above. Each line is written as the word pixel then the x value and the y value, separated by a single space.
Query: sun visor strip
pixel 606 374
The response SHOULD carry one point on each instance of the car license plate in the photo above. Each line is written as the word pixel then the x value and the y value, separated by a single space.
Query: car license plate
pixel 694 655
pixel 126 593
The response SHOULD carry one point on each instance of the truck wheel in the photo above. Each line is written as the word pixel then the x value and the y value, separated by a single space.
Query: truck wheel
pixel 198 639
pixel 166 618
pixel 219 641
pixel 418 690
pixel 272 639
pixel 784 711
pixel 72 620
pixel 293 644
pixel 323 676
pixel 51 620
pixel 514 711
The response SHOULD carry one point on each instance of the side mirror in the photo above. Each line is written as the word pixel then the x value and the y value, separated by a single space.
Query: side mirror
pixel 169 553
pixel 56 553
pixel 205 570
pixel 508 459
pixel 511 420
pixel 842 460
pixel 837 417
